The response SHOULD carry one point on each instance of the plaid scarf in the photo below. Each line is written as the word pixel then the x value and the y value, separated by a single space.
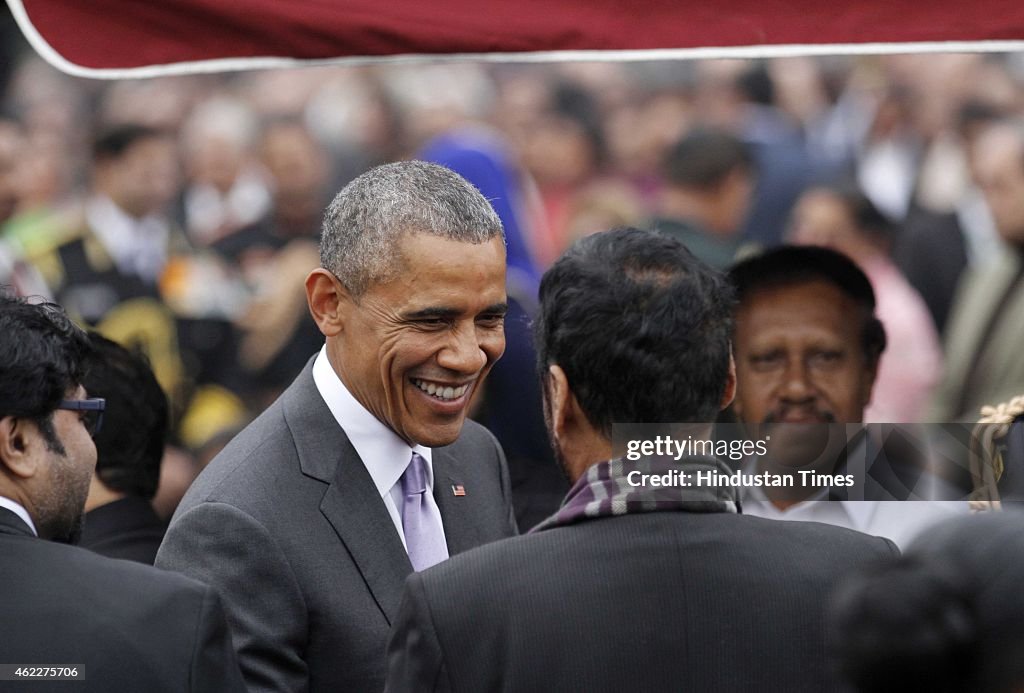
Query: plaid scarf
pixel 604 491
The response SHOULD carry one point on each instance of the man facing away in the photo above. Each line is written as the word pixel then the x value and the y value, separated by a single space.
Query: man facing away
pixel 630 587
pixel 120 521
pixel 365 469
pixel 120 626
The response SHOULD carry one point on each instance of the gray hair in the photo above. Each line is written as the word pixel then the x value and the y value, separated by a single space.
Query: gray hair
pixel 365 221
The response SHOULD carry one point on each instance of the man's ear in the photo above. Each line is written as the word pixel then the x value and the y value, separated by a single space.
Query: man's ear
pixel 326 297
pixel 18 437
pixel 559 397
pixel 729 394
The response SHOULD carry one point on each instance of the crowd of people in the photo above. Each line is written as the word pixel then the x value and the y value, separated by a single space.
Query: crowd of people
pixel 351 402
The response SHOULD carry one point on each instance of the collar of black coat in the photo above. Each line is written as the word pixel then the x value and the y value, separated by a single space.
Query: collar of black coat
pixel 10 523
pixel 649 484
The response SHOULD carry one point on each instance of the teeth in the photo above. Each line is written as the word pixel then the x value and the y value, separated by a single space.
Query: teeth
pixel 441 392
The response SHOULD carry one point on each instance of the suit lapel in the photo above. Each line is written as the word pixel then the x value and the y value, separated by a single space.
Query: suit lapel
pixel 351 504
pixel 360 519
pixel 10 523
pixel 456 511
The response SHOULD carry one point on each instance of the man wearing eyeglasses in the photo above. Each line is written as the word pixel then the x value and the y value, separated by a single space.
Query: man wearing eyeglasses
pixel 109 625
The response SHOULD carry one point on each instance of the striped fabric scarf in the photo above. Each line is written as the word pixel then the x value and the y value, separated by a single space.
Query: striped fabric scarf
pixel 614 488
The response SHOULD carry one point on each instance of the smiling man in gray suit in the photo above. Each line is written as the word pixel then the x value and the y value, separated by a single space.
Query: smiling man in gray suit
pixel 365 469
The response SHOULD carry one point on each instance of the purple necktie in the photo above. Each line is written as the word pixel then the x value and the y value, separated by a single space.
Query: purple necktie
pixel 421 521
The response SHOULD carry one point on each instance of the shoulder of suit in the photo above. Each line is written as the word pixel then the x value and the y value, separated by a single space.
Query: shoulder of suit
pixel 123 581
pixel 258 454
pixel 812 534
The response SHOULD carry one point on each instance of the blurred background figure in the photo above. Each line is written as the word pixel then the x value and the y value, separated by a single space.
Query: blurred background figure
pixel 946 617
pixel 844 219
pixel 119 518
pixel 709 183
pixel 564 150
pixel 983 362
pixel 742 98
pixel 123 266
pixel 936 246
pixel 11 144
pixel 273 255
pixel 224 189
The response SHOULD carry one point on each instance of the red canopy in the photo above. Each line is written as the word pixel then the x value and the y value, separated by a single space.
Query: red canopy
pixel 119 34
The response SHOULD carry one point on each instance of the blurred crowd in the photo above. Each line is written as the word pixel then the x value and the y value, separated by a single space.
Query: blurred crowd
pixel 180 215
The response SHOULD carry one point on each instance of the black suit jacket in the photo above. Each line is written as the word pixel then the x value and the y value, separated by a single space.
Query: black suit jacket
pixel 126 528
pixel 126 626
pixel 664 601
pixel 287 524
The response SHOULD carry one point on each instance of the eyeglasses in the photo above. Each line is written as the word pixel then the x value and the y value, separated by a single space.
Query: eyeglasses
pixel 93 408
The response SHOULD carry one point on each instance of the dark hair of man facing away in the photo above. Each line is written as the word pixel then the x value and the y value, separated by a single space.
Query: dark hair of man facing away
pixel 43 358
pixel 704 158
pixel 795 265
pixel 120 521
pixel 640 327
pixel 113 142
pixel 131 443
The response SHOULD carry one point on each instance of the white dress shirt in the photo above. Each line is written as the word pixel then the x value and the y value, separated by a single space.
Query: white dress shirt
pixel 899 521
pixel 18 510
pixel 384 454
pixel 137 246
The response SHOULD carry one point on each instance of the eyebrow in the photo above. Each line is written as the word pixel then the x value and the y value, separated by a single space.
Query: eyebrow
pixel 450 313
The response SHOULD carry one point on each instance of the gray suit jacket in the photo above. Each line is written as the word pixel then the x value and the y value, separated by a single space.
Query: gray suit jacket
pixel 287 524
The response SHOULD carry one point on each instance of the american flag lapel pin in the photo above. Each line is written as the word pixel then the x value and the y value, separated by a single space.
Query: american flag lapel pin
pixel 458 490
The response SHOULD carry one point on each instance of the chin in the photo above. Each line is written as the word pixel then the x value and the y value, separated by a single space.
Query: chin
pixel 430 431
pixel 439 438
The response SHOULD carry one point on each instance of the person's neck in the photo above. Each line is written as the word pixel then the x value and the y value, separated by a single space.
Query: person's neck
pixel 580 455
pixel 100 495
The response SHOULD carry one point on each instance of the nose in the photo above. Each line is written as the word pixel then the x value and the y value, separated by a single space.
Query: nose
pixel 796 386
pixel 463 352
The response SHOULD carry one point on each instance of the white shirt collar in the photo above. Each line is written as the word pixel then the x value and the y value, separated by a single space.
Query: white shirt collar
pixel 384 454
pixel 138 246
pixel 18 510
pixel 818 508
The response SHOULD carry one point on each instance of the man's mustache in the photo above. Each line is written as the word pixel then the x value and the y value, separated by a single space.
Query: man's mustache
pixel 779 414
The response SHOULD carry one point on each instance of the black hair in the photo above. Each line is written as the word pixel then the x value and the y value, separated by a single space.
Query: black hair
pixel 867 218
pixel 130 445
pixel 575 103
pixel 794 265
pixel 640 326
pixel 43 359
pixel 946 617
pixel 113 142
pixel 703 158
pixel 756 84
